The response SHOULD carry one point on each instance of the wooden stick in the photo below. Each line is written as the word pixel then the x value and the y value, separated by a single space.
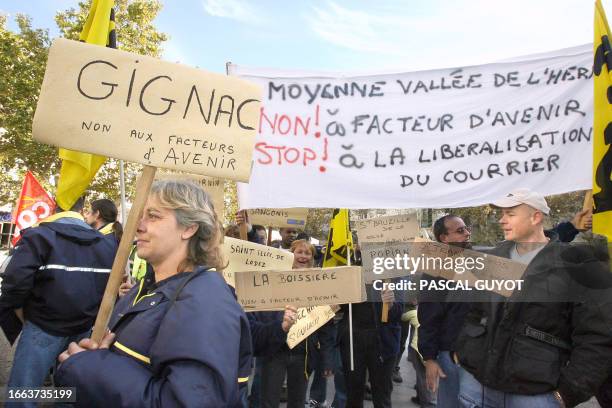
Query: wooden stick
pixel 384 316
pixel 143 187
pixel 244 232
pixel 269 236
pixel 586 205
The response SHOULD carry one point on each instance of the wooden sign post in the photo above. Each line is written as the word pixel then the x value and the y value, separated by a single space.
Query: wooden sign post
pixel 134 107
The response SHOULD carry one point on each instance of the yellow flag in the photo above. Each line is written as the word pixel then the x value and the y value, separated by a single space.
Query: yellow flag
pixel 339 240
pixel 78 169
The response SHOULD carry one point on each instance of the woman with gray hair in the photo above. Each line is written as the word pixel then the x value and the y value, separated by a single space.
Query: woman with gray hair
pixel 179 338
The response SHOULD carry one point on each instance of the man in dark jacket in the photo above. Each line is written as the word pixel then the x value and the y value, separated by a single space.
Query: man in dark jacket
pixel 57 275
pixel 375 347
pixel 549 344
pixel 269 335
pixel 440 322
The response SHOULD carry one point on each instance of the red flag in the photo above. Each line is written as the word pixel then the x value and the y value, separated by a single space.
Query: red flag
pixel 33 206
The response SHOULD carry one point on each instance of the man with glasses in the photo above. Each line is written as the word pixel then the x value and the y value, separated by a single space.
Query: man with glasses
pixel 440 322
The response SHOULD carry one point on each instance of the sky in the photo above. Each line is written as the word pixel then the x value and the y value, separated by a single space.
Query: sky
pixel 352 36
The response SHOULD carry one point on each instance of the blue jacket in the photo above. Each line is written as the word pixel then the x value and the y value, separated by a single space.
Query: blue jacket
pixel 191 352
pixel 57 274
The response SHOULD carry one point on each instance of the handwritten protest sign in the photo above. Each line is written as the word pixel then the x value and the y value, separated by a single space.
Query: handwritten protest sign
pixel 272 290
pixel 248 256
pixel 394 260
pixel 309 320
pixel 212 186
pixel 138 108
pixel 454 137
pixel 393 228
pixel 283 218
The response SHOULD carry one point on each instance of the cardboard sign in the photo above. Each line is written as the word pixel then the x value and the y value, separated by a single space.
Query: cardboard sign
pixel 249 256
pixel 309 320
pixel 272 290
pixel 393 228
pixel 212 186
pixel 282 218
pixel 438 260
pixel 137 108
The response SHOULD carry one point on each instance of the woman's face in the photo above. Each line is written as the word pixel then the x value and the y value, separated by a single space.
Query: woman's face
pixel 90 216
pixel 159 236
pixel 302 257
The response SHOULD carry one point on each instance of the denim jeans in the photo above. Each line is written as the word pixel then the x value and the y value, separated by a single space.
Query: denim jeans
pixel 472 394
pixel 448 388
pixel 35 355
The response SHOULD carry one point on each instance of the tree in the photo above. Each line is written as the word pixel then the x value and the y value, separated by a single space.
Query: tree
pixel 23 57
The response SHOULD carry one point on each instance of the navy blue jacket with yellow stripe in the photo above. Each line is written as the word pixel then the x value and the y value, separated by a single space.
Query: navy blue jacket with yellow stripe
pixel 194 351
pixel 57 274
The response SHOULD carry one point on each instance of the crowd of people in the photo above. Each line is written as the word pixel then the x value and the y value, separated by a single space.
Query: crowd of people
pixel 178 337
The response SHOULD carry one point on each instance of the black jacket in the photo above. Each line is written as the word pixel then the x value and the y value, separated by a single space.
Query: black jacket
pixel 554 334
pixel 367 316
pixel 57 274
pixel 441 320
pixel 269 338
pixel 440 323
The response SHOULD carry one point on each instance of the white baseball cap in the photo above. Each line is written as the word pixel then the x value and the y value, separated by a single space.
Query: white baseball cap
pixel 523 196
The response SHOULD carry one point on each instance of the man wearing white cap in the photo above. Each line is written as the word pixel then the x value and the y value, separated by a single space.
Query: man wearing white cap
pixel 550 344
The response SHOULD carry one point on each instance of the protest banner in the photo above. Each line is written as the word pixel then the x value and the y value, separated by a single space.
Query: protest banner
pixel 281 218
pixel 273 290
pixel 213 186
pixel 309 320
pixel 248 256
pixel 454 137
pixel 395 260
pixel 393 228
pixel 138 108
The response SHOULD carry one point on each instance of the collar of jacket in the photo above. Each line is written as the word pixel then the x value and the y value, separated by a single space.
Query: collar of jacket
pixel 60 215
pixel 107 229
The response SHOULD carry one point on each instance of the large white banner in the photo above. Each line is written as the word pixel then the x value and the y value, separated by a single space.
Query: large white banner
pixel 442 138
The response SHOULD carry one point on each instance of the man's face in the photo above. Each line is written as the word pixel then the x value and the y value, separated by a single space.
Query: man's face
pixel 261 237
pixel 520 222
pixel 457 233
pixel 288 235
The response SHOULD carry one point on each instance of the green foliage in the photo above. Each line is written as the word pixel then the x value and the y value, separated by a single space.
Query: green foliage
pixel 23 57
